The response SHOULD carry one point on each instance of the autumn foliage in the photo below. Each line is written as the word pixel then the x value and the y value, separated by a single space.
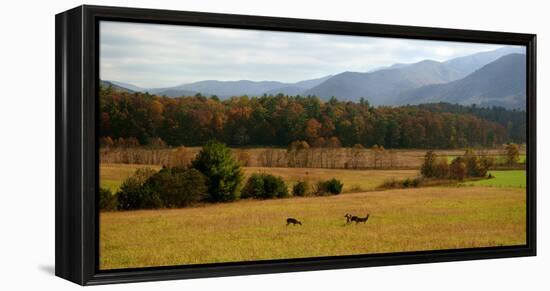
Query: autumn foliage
pixel 471 164
pixel 130 119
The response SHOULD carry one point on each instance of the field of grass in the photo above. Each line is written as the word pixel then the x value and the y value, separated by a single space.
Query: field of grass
pixel 512 178
pixel 112 175
pixel 401 220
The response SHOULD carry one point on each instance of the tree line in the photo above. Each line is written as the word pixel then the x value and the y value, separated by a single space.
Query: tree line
pixel 515 121
pixel 469 165
pixel 436 170
pixel 141 118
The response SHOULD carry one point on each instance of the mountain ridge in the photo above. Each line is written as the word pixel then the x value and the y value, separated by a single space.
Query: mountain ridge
pixel 383 86
pixel 499 83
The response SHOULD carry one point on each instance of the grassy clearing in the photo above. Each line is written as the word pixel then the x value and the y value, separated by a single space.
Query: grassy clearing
pixel 512 178
pixel 401 220
pixel 112 175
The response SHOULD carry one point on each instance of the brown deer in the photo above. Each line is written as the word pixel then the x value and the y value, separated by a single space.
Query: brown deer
pixel 294 221
pixel 361 219
pixel 350 218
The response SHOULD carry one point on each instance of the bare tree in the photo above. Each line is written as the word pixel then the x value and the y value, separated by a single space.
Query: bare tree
pixel 377 155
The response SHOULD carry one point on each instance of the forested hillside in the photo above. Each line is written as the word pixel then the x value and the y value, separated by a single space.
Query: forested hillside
pixel 279 120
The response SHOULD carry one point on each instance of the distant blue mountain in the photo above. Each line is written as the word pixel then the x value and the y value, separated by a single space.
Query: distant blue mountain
pixel 499 83
pixel 225 89
pixel 397 84
pixel 383 86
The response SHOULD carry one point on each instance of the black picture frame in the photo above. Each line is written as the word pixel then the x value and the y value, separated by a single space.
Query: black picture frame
pixel 76 90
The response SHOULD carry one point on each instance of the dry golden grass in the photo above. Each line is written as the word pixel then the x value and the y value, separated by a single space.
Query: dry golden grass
pixel 112 175
pixel 401 220
pixel 354 180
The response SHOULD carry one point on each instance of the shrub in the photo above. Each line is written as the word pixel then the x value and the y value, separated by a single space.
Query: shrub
pixel 441 168
pixel 223 172
pixel 428 167
pixel 512 153
pixel 390 183
pixel 178 187
pixel 300 189
pixel 486 163
pixel 332 187
pixel 275 187
pixel 472 163
pixel 458 169
pixel 476 166
pixel 264 186
pixel 416 182
pixel 406 183
pixel 133 194
pixel 254 187
pixel 107 201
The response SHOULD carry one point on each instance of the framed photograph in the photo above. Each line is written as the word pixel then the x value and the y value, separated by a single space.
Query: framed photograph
pixel 198 144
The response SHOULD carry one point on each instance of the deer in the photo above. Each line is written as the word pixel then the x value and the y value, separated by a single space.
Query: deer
pixel 294 221
pixel 350 218
pixel 362 219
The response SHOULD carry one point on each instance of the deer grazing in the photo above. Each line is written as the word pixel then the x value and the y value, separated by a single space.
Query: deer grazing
pixel 362 219
pixel 351 218
pixel 292 221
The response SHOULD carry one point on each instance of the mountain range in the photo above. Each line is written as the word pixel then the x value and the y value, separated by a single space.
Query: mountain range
pixel 499 83
pixel 488 78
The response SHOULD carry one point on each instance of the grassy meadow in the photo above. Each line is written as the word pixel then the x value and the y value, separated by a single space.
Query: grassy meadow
pixel 489 212
pixel 112 175
pixel 401 220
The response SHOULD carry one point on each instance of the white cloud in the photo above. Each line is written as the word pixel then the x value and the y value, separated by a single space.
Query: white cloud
pixel 152 55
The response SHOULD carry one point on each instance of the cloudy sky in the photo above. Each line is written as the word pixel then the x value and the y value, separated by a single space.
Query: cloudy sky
pixel 152 55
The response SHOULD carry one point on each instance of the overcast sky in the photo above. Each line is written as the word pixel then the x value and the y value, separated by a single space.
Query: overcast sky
pixel 153 55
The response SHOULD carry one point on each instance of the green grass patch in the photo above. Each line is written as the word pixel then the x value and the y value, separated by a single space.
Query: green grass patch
pixel 512 178
pixel 112 185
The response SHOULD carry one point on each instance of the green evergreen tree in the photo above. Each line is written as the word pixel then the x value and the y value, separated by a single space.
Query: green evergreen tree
pixel 223 172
